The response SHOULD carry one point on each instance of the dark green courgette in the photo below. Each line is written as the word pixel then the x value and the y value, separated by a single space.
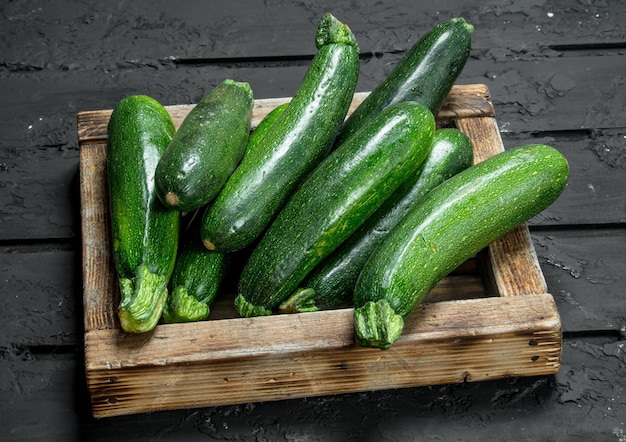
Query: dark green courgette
pixel 198 275
pixel 425 74
pixel 144 232
pixel 455 221
pixel 206 148
pixel 300 137
pixel 337 197
pixel 333 280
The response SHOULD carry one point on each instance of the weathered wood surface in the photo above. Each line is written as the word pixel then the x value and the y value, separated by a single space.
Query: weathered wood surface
pixel 555 70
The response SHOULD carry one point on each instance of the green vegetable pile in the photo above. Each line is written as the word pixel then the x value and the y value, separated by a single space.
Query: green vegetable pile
pixel 369 211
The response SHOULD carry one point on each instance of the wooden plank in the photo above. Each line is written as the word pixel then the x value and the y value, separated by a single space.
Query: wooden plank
pixel 501 337
pixel 507 256
pixel 101 299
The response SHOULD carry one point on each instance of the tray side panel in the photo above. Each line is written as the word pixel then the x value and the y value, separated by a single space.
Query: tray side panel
pixel 448 342
pixel 99 279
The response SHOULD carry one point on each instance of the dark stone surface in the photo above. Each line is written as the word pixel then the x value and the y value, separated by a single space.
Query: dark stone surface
pixel 556 73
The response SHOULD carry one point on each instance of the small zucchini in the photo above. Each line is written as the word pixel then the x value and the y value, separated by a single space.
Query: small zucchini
pixel 144 232
pixel 300 137
pixel 206 148
pixel 337 197
pixel 198 275
pixel 425 74
pixel 455 221
pixel 333 280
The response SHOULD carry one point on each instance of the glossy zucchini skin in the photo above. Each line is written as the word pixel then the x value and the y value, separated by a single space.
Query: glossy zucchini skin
pixel 300 137
pixel 206 148
pixel 337 197
pixel 144 231
pixel 196 279
pixel 455 220
pixel 334 279
pixel 425 74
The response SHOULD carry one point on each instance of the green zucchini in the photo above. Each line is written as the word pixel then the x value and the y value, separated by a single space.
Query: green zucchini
pixel 144 232
pixel 337 197
pixel 206 148
pixel 333 280
pixel 455 221
pixel 198 275
pixel 425 74
pixel 300 137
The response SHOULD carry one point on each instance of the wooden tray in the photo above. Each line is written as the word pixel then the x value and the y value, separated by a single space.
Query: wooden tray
pixel 491 318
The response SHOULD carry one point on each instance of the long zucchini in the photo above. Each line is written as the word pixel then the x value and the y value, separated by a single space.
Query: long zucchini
pixel 425 74
pixel 455 221
pixel 300 137
pixel 333 280
pixel 144 232
pixel 337 197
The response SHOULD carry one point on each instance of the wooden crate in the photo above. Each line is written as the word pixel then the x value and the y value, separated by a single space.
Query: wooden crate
pixel 489 319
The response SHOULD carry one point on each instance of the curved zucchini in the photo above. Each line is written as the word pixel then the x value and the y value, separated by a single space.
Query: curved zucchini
pixel 206 148
pixel 455 221
pixel 198 275
pixel 144 231
pixel 300 137
pixel 425 74
pixel 337 197
pixel 333 280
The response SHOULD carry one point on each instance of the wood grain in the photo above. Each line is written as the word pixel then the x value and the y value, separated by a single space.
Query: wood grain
pixel 99 278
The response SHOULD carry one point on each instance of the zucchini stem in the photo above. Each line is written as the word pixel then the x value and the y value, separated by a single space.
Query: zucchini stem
pixel 182 307
pixel 143 299
pixel 331 31
pixel 302 301
pixel 377 325
pixel 247 309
